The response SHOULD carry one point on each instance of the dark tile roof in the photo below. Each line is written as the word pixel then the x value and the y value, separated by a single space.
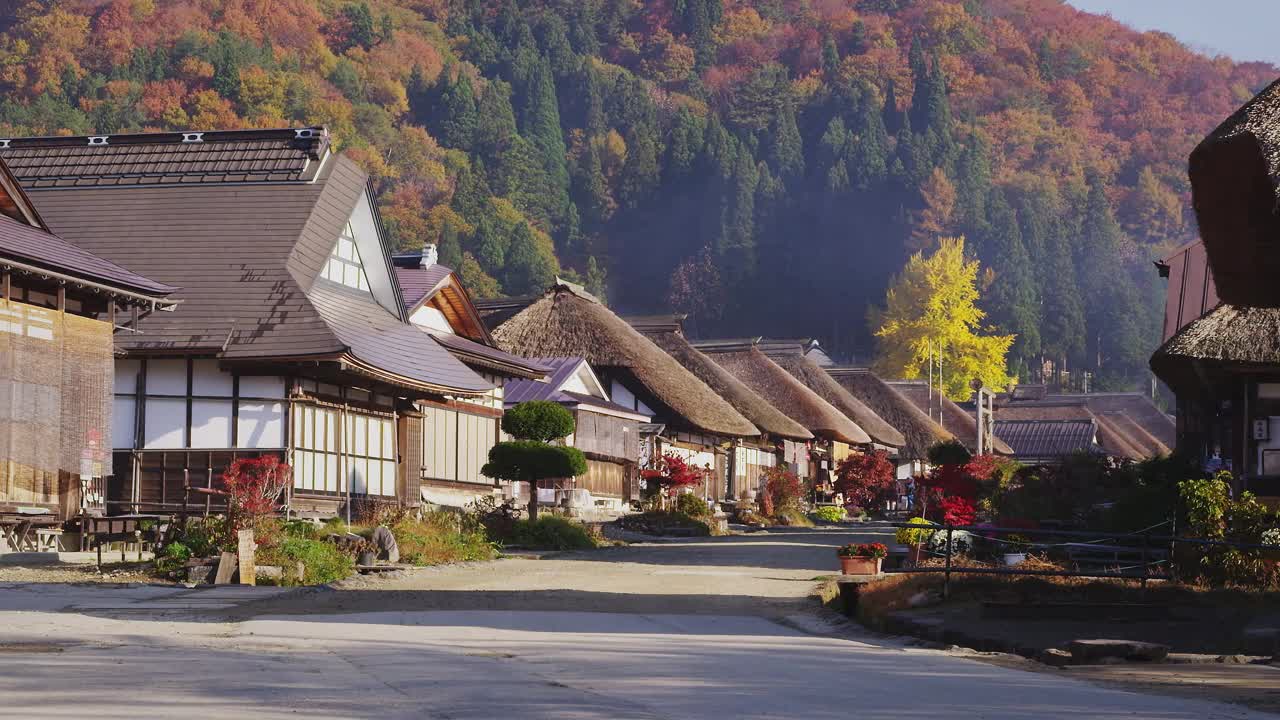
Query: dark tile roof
pixel 418 284
pixel 473 353
pixel 953 418
pixel 164 158
pixel 247 258
pixel 33 246
pixel 383 342
pixel 1047 439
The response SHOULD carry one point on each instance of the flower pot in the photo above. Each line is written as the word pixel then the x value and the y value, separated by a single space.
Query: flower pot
pixel 860 565
pixel 1012 559
pixel 367 558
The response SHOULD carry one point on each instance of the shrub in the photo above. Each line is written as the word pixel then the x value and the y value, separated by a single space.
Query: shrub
pixel 174 556
pixel 783 492
pixel 830 513
pixel 792 518
pixel 551 532
pixel 865 479
pixel 673 473
pixel 913 536
pixel 204 536
pixel 692 505
pixel 949 452
pixel 253 487
pixel 440 537
pixel 323 562
pixel 661 522
pixel 1207 503
pixel 539 421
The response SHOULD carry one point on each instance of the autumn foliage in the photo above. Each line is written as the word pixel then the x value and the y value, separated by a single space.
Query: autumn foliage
pixel 674 473
pixel 254 487
pixel 865 478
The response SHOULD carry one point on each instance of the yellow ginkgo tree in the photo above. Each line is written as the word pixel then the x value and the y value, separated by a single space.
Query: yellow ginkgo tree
pixel 932 308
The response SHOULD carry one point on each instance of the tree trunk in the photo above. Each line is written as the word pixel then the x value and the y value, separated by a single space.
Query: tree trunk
pixel 533 501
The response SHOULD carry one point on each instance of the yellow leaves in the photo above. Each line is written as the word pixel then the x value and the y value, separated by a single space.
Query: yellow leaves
pixel 741 23
pixel 932 307
pixel 262 92
pixel 211 111
pixel 193 68
pixel 613 152
pixel 57 39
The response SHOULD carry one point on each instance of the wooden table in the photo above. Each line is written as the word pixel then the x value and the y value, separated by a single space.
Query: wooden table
pixel 16 529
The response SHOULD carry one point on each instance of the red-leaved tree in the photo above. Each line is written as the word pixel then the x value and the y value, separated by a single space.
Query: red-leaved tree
pixel 254 486
pixel 782 492
pixel 865 479
pixel 673 473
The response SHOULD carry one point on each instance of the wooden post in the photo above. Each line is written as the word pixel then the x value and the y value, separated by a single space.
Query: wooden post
pixel 946 577
pixel 245 553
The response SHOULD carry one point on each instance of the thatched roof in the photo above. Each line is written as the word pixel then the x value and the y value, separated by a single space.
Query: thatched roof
pixel 1228 334
pixel 667 333
pixel 920 431
pixel 784 391
pixel 792 359
pixel 954 418
pixel 1235 186
pixel 568 322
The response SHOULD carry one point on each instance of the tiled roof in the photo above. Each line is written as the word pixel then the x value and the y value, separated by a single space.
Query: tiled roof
pixel 382 341
pixel 471 352
pixel 236 156
pixel 419 284
pixel 1047 439
pixel 34 246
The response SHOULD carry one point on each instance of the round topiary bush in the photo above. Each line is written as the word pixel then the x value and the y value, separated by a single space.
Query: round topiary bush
pixel 692 505
pixel 538 420
pixel 949 452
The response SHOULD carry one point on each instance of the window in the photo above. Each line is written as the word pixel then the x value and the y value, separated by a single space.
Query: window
pixel 455 445
pixel 344 266
pixel 361 456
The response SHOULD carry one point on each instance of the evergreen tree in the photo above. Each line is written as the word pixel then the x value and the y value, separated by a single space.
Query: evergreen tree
pixel 496 125
pixel 1013 298
pixel 642 172
pixel 892 116
pixel 869 161
pixel 1097 260
pixel 460 116
pixel 1063 331
pixel 542 129
pixel 831 156
pixel 830 60
pixel 597 280
pixel 973 184
pixel 786 151
pixel 490 245
pixel 450 247
pixel 527 270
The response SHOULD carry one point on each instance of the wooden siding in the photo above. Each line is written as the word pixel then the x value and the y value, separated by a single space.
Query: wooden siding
pixel 607 435
pixel 604 478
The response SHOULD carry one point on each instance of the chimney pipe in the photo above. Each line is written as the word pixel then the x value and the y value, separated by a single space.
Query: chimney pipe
pixel 429 256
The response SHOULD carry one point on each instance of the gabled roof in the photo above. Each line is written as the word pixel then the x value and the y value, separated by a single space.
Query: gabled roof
pixel 953 418
pixel 26 240
pixel 567 321
pixel 784 391
pixel 666 331
pixel 920 431
pixel 245 244
pixel 790 356
pixel 553 389
pixel 1047 440
pixel 489 357
pixel 1119 433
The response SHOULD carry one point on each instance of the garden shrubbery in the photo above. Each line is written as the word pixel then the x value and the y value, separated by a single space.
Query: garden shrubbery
pixel 830 514
pixel 551 532
pixel 692 505
pixel 665 522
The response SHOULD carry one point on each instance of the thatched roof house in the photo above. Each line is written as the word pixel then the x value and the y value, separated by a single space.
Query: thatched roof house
pixel 1129 425
pixel 1228 335
pixel 954 419
pixel 786 393
pixel 667 332
pixel 567 321
pixel 791 357
pixel 918 429
pixel 1235 186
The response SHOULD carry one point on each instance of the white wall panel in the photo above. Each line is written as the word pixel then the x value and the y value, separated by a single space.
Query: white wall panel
pixel 165 420
pixel 262 386
pixel 211 424
pixel 166 377
pixel 207 379
pixel 122 419
pixel 260 425
pixel 126 376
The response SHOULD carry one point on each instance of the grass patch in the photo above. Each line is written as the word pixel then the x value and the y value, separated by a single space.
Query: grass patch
pixel 323 562
pixel 550 532
pixel 440 537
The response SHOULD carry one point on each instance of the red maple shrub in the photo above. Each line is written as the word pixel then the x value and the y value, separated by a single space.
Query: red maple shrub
pixel 782 492
pixel 254 486
pixel 865 479
pixel 673 473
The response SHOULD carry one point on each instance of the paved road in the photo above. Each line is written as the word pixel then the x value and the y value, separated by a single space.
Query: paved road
pixel 714 628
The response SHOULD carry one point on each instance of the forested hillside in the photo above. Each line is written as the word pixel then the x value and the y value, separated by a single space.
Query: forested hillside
pixel 766 165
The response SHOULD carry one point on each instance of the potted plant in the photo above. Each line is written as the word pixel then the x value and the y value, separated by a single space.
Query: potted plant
pixel 862 559
pixel 1015 550
pixel 914 537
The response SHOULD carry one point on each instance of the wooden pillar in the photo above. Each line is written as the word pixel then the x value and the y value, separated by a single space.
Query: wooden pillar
pixel 6 285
